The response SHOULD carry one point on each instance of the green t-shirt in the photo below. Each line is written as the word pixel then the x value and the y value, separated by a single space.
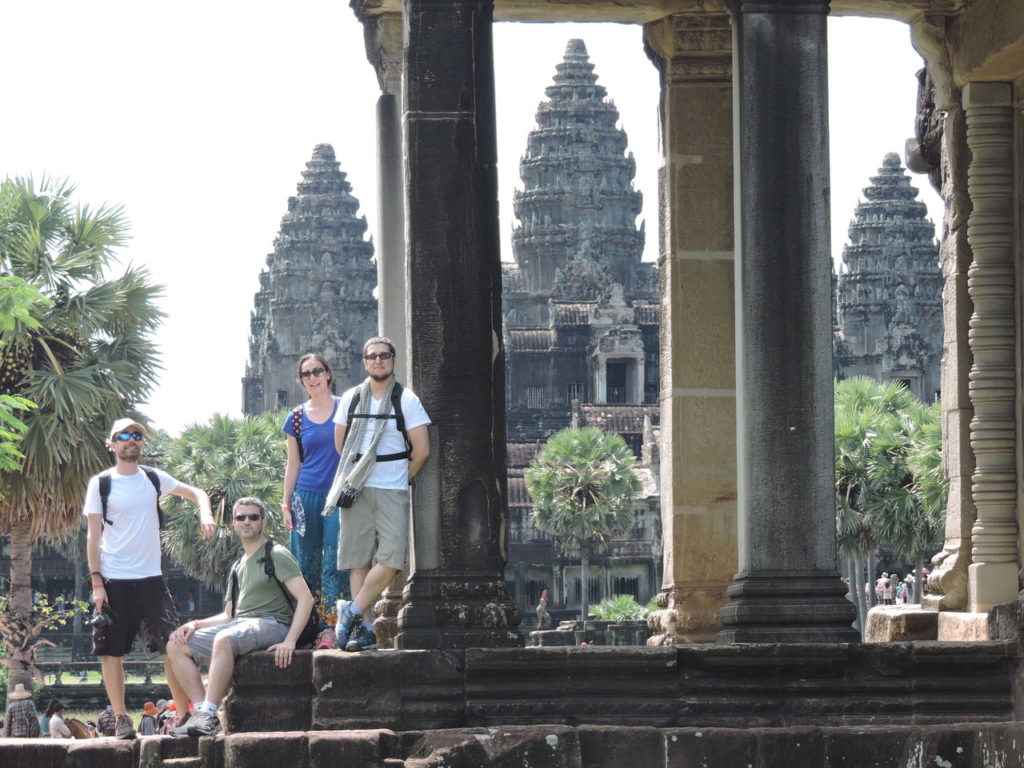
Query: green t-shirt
pixel 259 597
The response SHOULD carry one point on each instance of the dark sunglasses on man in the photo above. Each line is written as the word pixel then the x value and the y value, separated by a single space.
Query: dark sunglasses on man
pixel 251 518
pixel 379 356
pixel 124 437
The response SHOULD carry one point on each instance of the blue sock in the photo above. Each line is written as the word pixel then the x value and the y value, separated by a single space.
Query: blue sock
pixel 356 610
pixel 368 625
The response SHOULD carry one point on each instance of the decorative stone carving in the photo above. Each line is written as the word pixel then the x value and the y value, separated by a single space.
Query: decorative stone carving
pixel 993 574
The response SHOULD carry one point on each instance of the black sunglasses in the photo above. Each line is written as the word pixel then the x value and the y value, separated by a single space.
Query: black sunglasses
pixel 318 372
pixel 252 518
pixel 379 356
pixel 124 437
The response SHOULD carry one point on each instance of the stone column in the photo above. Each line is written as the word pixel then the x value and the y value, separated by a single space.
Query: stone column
pixel 383 35
pixel 384 50
pixel 455 597
pixel 787 588
pixel 992 576
pixel 698 363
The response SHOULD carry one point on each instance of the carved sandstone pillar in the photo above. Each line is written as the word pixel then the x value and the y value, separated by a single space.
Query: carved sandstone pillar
pixel 993 381
pixel 383 35
pixel 787 588
pixel 455 597
pixel 698 362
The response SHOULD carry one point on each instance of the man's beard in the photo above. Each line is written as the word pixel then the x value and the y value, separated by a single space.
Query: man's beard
pixel 378 378
pixel 124 456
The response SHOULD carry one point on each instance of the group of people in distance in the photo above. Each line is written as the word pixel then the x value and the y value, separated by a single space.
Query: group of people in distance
pixel 360 451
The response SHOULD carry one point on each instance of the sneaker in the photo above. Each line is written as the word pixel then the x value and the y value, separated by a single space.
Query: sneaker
pixel 203 724
pixel 363 639
pixel 327 639
pixel 123 728
pixel 346 621
pixel 181 729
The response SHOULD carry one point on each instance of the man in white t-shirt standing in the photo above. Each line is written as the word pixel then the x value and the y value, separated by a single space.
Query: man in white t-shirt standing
pixel 123 546
pixel 375 529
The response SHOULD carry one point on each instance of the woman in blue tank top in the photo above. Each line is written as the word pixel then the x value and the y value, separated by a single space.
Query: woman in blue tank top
pixel 312 461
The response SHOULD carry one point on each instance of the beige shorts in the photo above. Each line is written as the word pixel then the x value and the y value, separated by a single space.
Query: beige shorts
pixel 375 529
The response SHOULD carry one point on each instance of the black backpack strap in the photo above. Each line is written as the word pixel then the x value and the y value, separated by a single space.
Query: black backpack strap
pixel 396 414
pixel 297 429
pixel 105 495
pixel 234 591
pixel 154 478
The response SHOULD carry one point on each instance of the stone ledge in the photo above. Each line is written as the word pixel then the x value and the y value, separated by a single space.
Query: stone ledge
pixel 963 627
pixel 560 746
pixel 900 623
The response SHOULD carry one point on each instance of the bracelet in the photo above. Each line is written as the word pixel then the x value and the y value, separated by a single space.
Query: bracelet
pixel 195 624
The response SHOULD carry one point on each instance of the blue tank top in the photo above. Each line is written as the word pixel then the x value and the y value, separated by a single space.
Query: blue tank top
pixel 320 459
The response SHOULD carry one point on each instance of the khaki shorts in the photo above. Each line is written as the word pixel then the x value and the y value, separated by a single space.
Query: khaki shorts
pixel 245 635
pixel 375 529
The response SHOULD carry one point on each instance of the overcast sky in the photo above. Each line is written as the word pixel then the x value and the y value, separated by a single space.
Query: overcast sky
pixel 200 116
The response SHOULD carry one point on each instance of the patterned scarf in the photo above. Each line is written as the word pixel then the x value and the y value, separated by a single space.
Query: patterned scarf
pixel 354 470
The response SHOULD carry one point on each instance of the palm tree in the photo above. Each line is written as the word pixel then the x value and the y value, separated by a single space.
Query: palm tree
pixel 88 360
pixel 890 487
pixel 230 458
pixel 582 485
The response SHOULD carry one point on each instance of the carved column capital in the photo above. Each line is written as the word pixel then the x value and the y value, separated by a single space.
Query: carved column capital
pixel 692 46
pixel 383 37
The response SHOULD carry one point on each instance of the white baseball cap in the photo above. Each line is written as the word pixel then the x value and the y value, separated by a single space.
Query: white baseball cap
pixel 121 425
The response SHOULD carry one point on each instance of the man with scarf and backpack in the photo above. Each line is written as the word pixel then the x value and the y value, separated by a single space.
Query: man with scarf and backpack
pixel 381 434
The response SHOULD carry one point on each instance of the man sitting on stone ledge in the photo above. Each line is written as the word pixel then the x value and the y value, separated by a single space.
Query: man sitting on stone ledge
pixel 258 614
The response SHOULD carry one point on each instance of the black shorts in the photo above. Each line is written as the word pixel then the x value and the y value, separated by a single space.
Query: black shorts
pixel 135 604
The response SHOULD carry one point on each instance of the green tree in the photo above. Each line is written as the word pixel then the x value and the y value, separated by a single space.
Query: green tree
pixel 582 484
pixel 84 358
pixel 19 303
pixel 623 608
pixel 890 487
pixel 230 458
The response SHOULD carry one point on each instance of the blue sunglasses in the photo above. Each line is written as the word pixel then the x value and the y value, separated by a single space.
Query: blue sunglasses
pixel 124 437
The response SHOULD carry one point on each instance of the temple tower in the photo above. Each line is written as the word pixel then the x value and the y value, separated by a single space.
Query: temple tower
pixel 581 329
pixel 316 294
pixel 889 293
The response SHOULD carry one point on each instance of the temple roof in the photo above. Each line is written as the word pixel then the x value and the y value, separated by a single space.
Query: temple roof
pixel 623 419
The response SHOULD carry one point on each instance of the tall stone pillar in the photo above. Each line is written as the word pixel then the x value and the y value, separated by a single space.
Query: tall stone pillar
pixel 383 35
pixel 787 588
pixel 992 576
pixel 698 363
pixel 384 50
pixel 455 597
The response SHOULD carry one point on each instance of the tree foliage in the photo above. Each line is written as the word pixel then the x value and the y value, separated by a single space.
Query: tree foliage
pixel 83 353
pixel 583 485
pixel 891 489
pixel 230 458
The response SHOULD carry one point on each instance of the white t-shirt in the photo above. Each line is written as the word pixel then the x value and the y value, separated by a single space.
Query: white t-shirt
pixel 386 474
pixel 130 545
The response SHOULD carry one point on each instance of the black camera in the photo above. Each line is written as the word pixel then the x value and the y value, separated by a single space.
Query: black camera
pixel 104 619
pixel 347 497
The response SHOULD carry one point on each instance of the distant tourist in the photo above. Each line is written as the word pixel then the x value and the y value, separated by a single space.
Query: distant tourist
pixel 261 611
pixel 21 721
pixel 57 728
pixel 543 617
pixel 190 603
pixel 381 433
pixel 147 723
pixel 312 462
pixel 106 724
pixel 122 507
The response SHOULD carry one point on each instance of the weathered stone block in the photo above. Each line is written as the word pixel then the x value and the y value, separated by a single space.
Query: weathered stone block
pixel 898 623
pixel 329 749
pixel 703 747
pixel 606 746
pixel 877 747
pixel 38 753
pixel 266 750
pixel 540 746
pixel 961 626
pixel 265 697
pixel 100 753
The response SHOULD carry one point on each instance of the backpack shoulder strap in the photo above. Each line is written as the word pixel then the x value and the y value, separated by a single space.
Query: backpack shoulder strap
pixel 104 482
pixel 297 429
pixel 396 402
pixel 154 478
pixel 268 568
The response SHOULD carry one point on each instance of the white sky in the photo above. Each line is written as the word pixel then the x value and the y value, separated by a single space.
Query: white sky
pixel 200 116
